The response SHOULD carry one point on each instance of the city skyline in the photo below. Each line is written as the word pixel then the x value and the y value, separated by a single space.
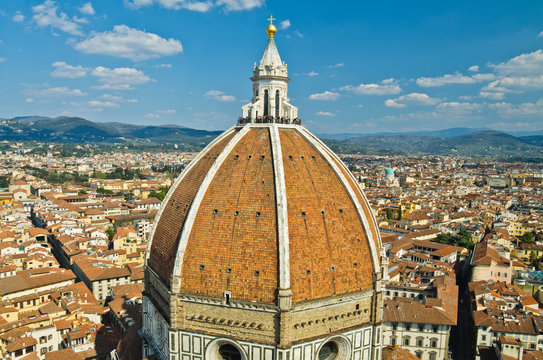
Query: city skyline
pixel 358 68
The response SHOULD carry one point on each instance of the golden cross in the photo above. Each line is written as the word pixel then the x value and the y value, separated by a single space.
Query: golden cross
pixel 271 19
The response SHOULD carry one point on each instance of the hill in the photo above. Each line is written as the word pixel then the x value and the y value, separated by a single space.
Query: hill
pixel 492 144
pixel 79 130
pixel 456 141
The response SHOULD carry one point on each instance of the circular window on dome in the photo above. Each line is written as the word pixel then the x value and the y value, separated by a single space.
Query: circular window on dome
pixel 224 349
pixel 229 352
pixel 336 348
pixel 328 351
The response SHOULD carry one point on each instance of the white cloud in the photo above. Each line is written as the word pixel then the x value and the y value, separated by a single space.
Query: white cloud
pixel 60 91
pixel 126 42
pixel 459 108
pixel 540 35
pixel 513 110
pixel 69 71
pixel 519 74
pixel 237 5
pixel 285 24
pixel 492 95
pixel 456 78
pixel 200 6
pixel 102 104
pixel 219 96
pixel 18 17
pixel 514 84
pixel 393 103
pixel 374 89
pixel 338 65
pixel 29 100
pixel 119 78
pixel 522 82
pixel 474 68
pixel 80 20
pixel 445 80
pixel 524 64
pixel 46 15
pixel 325 113
pixel 117 99
pixel 412 98
pixel 157 114
pixel 113 87
pixel 87 9
pixel 2 59
pixel 483 77
pixel 312 73
pixel 299 34
pixel 327 95
pixel 163 66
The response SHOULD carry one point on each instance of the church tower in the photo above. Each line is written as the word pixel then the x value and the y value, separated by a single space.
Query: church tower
pixel 270 79
pixel 265 247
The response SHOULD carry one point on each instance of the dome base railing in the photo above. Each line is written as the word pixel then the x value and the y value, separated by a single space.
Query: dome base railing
pixel 269 120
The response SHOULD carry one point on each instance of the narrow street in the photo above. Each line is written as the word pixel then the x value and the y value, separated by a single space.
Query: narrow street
pixel 461 341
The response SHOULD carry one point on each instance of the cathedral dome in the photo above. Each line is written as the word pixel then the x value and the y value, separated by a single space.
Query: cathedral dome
pixel 264 247
pixel 265 207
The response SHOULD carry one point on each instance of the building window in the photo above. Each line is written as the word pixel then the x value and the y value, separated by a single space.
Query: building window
pixel 277 103
pixel 266 103
pixel 421 327
pixel 420 342
pixel 483 337
pixel 434 329
pixel 432 356
pixel 406 341
pixel 418 354
pixel 433 343
pixel 328 351
pixel 393 341
pixel 407 327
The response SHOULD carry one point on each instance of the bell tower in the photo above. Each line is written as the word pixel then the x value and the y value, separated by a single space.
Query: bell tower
pixel 270 89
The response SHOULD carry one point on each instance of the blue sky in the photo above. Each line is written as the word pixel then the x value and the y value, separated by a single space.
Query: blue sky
pixel 356 66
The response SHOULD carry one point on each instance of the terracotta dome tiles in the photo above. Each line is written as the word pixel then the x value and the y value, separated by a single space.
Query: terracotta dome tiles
pixel 170 223
pixel 232 246
pixel 237 243
pixel 329 254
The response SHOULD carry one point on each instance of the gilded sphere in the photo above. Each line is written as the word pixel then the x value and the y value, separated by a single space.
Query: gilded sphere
pixel 271 30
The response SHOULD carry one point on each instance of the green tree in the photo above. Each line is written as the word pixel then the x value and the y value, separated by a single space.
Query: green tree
pixel 110 233
pixel 4 181
pixel 160 194
pixel 527 237
pixel 101 190
pixel 389 213
pixel 534 261
pixel 82 192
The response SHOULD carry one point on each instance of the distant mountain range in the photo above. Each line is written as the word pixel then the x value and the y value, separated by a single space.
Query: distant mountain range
pixel 455 141
pixel 78 130
pixel 445 133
